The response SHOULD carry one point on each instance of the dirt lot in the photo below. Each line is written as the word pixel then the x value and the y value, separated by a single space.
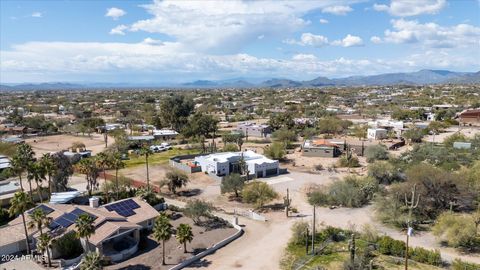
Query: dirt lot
pixel 151 256
pixel 56 143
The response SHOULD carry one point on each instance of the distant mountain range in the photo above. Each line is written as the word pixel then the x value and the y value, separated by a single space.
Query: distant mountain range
pixel 421 77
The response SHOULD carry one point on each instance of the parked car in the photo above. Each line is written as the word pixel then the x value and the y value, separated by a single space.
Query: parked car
pixel 165 145
pixel 157 148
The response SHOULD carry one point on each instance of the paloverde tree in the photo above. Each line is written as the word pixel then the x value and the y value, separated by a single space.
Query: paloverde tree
pixel 18 205
pixel 89 167
pixel 184 235
pixel 236 138
pixel 162 231
pixel 21 159
pixel 84 227
pixel 145 151
pixel 232 183
pixel 258 193
pixel 175 179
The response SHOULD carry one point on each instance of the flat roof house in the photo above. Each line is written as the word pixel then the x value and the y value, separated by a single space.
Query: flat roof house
pixel 254 130
pixel 320 148
pixel 117 226
pixel 223 164
pixel 164 134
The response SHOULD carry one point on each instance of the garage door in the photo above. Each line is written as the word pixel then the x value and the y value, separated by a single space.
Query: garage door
pixel 271 172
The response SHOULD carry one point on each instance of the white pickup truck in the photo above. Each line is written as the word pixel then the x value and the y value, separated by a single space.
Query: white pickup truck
pixel 161 147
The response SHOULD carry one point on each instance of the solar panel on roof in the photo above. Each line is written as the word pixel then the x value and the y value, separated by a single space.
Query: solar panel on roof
pixel 123 208
pixel 77 212
pixel 53 225
pixel 70 217
pixel 63 222
pixel 47 210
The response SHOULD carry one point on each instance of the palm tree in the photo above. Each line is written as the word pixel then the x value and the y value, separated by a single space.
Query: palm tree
pixel 104 161
pixel 85 228
pixel 36 172
pixel 49 167
pixel 18 205
pixel 175 179
pixel 45 243
pixel 145 151
pixel 91 261
pixel 23 155
pixel 162 231
pixel 38 219
pixel 117 164
pixel 88 166
pixel 184 235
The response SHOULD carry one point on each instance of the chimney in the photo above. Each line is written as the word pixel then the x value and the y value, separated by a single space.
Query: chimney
pixel 93 202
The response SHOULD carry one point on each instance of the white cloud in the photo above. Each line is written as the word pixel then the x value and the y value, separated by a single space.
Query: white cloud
pixel 303 57
pixel 337 10
pixel 405 8
pixel 115 13
pixel 323 21
pixel 349 41
pixel 149 59
pixel 210 25
pixel 309 39
pixel 432 34
pixel 119 30
pixel 376 40
pixel 37 14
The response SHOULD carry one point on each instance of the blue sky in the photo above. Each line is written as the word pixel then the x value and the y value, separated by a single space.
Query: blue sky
pixel 178 41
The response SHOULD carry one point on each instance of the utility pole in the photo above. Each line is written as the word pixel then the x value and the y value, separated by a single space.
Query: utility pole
pixel 411 204
pixel 313 232
pixel 287 201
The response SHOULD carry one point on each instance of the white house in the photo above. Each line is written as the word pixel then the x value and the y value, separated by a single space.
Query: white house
pixel 376 133
pixel 222 164
pixel 164 134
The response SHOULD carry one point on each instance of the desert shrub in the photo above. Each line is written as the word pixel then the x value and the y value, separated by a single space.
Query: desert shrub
pixel 376 152
pixel 230 147
pixel 457 230
pixel 345 161
pixel 8 149
pixel 390 246
pixel 299 230
pixel 426 256
pixel 284 135
pixel 196 209
pixel 69 246
pixel 258 193
pixel 319 167
pixel 275 151
pixel 456 137
pixel 458 264
pixel 336 234
pixel 350 192
pixel 390 207
pixel 384 172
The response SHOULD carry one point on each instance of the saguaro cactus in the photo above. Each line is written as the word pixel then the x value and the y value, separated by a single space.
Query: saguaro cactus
pixel 411 204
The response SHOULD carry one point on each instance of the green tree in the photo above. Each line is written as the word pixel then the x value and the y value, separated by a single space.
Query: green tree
pixel 230 147
pixel 413 135
pixel 456 137
pixel 145 151
pixel 89 167
pixel 21 159
pixel 196 209
pixel 232 183
pixel 19 204
pixel 175 179
pixel 162 231
pixel 84 227
pixel 258 193
pixel 457 230
pixel 91 261
pixel 184 235
pixel 360 131
pixel 284 135
pixel 275 151
pixel 175 111
pixel 236 138
pixel 63 171
pixel 384 172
